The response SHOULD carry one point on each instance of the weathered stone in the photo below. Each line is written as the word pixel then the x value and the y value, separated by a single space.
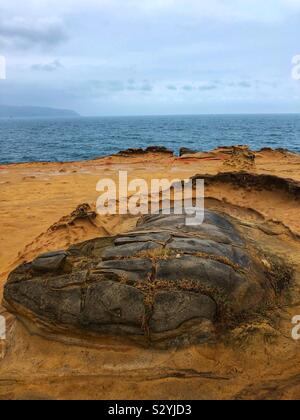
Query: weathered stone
pixel 214 226
pixel 59 306
pixel 110 303
pixel 193 246
pixel 131 270
pixel 139 151
pixel 129 250
pixel 51 261
pixel 142 237
pixel 165 282
pixel 185 151
pixel 78 278
pixel 172 309
pixel 210 275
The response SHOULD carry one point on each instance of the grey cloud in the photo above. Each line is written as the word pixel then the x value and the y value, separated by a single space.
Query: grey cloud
pixel 271 83
pixel 133 85
pixel 187 88
pixel 244 84
pixel 204 87
pixel 18 33
pixel 49 67
pixel 207 87
pixel 120 86
pixel 109 86
pixel 114 86
pixel 146 87
pixel 171 87
pixel 131 88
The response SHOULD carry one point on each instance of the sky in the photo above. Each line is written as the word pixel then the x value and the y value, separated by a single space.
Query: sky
pixel 149 57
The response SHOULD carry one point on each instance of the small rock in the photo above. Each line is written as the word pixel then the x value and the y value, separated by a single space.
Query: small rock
pixel 50 262
pixel 185 151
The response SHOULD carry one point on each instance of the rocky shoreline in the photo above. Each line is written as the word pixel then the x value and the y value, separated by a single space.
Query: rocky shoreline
pixel 85 295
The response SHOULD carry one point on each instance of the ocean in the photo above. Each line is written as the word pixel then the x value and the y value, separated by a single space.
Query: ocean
pixel 56 140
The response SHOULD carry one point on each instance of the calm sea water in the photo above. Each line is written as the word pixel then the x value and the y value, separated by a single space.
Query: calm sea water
pixel 27 140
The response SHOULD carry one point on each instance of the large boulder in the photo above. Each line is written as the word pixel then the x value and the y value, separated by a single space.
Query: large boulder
pixel 163 284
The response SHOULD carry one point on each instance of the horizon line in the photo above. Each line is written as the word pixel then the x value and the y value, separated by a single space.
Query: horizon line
pixel 186 115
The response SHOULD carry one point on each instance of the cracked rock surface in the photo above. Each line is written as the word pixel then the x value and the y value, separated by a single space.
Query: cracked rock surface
pixel 165 283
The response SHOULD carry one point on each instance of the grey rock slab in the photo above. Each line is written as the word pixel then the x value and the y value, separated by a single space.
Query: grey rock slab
pixel 193 245
pixel 113 303
pixel 144 237
pixel 76 279
pixel 133 270
pixel 50 262
pixel 54 305
pixel 205 272
pixel 172 309
pixel 129 250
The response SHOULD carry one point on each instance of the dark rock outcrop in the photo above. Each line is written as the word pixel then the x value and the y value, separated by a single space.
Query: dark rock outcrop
pixel 186 151
pixel 163 284
pixel 151 149
pixel 259 182
pixel 50 262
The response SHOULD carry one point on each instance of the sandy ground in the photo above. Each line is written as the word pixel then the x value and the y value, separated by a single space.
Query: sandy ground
pixel 34 197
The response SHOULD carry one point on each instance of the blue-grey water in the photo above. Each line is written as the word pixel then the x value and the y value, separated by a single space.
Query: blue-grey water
pixel 29 140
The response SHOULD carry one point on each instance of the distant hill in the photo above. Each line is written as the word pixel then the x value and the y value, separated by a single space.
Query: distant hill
pixel 32 111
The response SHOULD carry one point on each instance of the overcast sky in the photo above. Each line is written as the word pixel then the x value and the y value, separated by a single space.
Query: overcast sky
pixel 124 57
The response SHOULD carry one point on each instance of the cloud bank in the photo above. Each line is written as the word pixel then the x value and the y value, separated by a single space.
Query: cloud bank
pixel 150 56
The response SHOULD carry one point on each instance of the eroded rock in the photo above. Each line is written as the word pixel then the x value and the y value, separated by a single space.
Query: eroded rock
pixel 186 151
pixel 163 284
pixel 139 151
pixel 50 262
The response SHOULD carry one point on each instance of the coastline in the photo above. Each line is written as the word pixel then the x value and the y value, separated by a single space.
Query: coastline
pixel 59 140
pixel 36 195
pixel 37 201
